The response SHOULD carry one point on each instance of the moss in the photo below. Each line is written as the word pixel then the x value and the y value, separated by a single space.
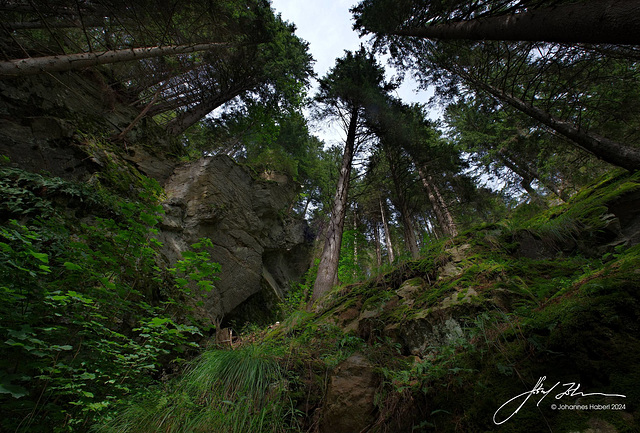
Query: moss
pixel 568 317
pixel 585 212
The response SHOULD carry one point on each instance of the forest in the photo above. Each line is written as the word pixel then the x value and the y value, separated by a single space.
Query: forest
pixel 180 251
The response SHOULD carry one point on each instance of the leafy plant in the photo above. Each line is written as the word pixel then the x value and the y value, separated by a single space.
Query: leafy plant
pixel 86 315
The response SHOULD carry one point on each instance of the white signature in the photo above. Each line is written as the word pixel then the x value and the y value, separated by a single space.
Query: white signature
pixel 571 391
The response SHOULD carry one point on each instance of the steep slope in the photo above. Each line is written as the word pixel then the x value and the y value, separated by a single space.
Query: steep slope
pixel 523 326
pixel 550 304
pixel 108 279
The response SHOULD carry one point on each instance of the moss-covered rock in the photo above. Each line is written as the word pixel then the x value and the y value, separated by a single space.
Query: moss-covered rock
pixel 497 311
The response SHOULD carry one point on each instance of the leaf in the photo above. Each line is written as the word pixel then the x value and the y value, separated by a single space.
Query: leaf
pixel 44 258
pixel 158 321
pixel 150 220
pixel 22 334
pixel 181 282
pixel 65 347
pixel 16 391
pixel 440 411
pixel 71 266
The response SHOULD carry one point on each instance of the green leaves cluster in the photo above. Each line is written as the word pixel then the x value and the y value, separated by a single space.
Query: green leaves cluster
pixel 86 314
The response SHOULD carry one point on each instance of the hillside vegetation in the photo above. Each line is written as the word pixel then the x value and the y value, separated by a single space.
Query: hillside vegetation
pixel 180 253
pixel 436 343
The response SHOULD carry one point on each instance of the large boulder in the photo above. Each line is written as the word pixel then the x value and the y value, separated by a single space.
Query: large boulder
pixel 260 247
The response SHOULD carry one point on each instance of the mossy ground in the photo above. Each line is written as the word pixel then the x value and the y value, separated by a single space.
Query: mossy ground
pixel 477 321
pixel 567 315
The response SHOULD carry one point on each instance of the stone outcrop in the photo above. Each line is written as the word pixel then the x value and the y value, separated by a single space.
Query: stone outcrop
pixel 45 122
pixel 350 400
pixel 66 125
pixel 259 246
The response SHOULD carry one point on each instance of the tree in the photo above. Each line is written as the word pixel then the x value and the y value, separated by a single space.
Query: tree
pixel 401 180
pixel 608 150
pixel 498 137
pixel 424 147
pixel 68 62
pixel 411 145
pixel 275 73
pixel 564 87
pixel 606 21
pixel 177 63
pixel 354 84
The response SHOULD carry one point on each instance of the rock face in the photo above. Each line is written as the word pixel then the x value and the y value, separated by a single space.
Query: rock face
pixel 350 404
pixel 261 248
pixel 61 123
pixel 45 121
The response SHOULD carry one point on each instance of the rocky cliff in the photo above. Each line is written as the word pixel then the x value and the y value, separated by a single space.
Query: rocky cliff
pixel 260 247
pixel 64 126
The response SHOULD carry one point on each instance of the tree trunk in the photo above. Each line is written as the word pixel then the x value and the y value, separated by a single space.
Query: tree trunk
pixel 191 116
pixel 306 207
pixel 409 232
pixel 376 239
pixel 450 223
pixel 444 217
pixel 355 242
pixel 407 226
pixel 387 234
pixel 607 150
pixel 524 175
pixel 328 267
pixel 68 62
pixel 523 170
pixel 39 25
pixel 608 22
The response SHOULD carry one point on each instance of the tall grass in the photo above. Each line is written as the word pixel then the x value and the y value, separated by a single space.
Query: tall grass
pixel 236 391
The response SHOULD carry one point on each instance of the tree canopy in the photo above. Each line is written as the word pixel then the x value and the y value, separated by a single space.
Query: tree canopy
pixel 178 63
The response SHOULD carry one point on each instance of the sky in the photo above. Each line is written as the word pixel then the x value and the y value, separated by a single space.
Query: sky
pixel 327 26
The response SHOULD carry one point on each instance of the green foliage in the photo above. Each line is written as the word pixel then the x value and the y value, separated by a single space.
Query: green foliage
pixel 443 363
pixel 349 267
pixel 586 212
pixel 86 316
pixel 196 266
pixel 223 391
pixel 299 294
pixel 28 194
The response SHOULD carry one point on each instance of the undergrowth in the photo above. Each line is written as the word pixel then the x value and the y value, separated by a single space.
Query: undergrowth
pixel 223 391
pixel 87 316
pixel 447 350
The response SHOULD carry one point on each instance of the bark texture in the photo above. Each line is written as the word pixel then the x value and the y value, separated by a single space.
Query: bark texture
pixel 610 22
pixel 387 234
pixel 39 65
pixel 444 217
pixel 376 238
pixel 328 267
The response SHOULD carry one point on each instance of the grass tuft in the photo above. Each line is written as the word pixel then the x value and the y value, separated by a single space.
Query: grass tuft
pixel 223 391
